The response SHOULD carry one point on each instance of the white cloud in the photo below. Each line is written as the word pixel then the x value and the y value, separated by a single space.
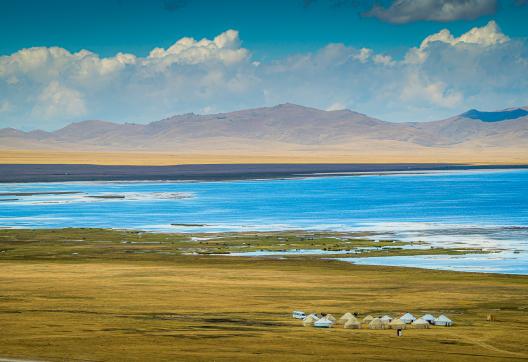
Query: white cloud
pixel 58 102
pixel 225 48
pixel 436 93
pixel 487 35
pixel 406 11
pixel 383 59
pixel 445 74
pixel 336 106
pixel 364 54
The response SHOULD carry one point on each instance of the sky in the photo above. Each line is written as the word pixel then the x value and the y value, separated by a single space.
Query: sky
pixel 141 61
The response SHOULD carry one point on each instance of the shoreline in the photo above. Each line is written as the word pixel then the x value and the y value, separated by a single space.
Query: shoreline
pixel 25 173
pixel 356 248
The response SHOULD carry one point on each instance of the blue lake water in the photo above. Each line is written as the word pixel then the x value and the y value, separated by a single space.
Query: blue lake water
pixel 467 208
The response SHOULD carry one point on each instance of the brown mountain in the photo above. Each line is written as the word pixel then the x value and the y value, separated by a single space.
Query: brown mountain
pixel 288 129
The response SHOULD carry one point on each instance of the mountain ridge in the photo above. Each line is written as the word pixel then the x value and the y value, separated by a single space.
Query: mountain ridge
pixel 282 128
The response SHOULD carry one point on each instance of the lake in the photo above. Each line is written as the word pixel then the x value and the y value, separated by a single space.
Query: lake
pixel 476 208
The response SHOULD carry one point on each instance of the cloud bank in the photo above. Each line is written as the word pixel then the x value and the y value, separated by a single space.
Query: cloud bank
pixel 49 87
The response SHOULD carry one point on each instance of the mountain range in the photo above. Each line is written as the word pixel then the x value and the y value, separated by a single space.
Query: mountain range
pixel 288 129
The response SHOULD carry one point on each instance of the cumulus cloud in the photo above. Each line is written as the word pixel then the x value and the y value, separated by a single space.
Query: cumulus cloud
pixel 56 101
pixel 444 74
pixel 225 48
pixel 416 88
pixel 488 35
pixel 407 11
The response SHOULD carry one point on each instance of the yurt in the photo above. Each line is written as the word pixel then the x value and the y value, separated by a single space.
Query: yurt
pixel 323 323
pixel 420 324
pixel 443 321
pixel 368 319
pixel 376 323
pixel 397 324
pixel 308 321
pixel 330 318
pixel 428 318
pixel 352 323
pixel 407 318
pixel 345 317
pixel 386 319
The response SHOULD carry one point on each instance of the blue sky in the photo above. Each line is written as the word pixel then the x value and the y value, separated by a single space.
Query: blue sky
pixel 59 63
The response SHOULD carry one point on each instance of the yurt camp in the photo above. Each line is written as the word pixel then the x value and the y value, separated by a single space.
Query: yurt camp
pixel 386 319
pixel 345 317
pixel 397 324
pixel 323 323
pixel 443 321
pixel 407 318
pixel 352 323
pixel 376 323
pixel 420 324
pixel 308 321
pixel 367 319
pixel 428 318
pixel 330 318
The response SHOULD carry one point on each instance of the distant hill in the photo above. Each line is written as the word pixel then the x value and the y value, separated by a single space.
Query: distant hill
pixel 286 129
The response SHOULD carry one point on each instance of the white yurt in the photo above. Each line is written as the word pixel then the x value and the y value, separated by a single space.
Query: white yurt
pixel 368 319
pixel 330 318
pixel 308 321
pixel 420 324
pixel 353 323
pixel 376 323
pixel 443 321
pixel 408 318
pixel 323 323
pixel 428 318
pixel 345 317
pixel 386 319
pixel 397 324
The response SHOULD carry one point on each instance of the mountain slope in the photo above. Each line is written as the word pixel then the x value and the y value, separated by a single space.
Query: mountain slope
pixel 282 129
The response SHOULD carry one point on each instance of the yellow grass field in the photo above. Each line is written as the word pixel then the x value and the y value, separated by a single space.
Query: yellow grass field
pixel 209 308
pixel 422 155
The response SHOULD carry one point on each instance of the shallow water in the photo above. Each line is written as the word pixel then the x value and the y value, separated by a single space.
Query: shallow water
pixel 467 208
pixel 502 262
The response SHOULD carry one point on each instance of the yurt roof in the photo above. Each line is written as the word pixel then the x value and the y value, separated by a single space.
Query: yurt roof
pixel 428 317
pixel 386 317
pixel 397 322
pixel 368 318
pixel 347 315
pixel 407 316
pixel 313 315
pixel 375 321
pixel 330 317
pixel 353 319
pixel 443 318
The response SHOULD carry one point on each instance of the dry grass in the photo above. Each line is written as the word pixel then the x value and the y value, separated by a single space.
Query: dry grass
pixel 362 155
pixel 221 308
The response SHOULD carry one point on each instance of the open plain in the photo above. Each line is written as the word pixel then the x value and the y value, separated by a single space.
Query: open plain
pixel 99 295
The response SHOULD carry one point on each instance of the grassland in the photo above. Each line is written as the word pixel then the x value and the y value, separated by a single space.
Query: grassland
pixel 100 295
pixel 476 155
